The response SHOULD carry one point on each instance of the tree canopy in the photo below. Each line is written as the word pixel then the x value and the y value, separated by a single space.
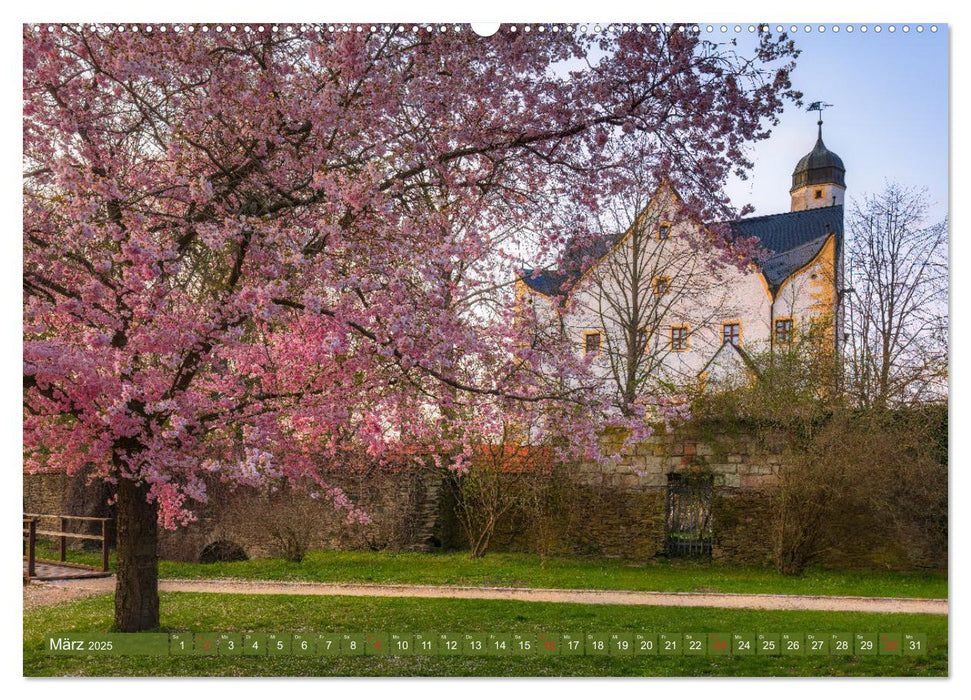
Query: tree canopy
pixel 246 251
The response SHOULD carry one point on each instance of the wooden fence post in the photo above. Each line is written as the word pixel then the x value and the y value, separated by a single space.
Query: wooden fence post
pixel 31 547
pixel 63 540
pixel 104 545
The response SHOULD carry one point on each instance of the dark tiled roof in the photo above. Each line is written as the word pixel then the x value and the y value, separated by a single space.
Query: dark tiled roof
pixel 792 239
pixel 574 262
pixel 779 266
pixel 781 232
pixel 818 166
pixel 545 281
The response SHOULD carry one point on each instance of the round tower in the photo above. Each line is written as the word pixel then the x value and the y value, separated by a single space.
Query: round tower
pixel 818 179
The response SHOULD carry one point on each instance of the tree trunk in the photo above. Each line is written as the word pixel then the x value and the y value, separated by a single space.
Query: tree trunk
pixel 136 589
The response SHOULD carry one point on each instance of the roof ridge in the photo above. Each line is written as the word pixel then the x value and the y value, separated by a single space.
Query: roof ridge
pixel 783 213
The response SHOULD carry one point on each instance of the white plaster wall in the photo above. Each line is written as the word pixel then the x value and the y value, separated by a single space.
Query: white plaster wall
pixel 730 295
pixel 796 296
pixel 805 197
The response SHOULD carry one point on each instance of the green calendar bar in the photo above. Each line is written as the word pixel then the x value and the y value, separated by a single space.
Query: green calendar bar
pixel 514 643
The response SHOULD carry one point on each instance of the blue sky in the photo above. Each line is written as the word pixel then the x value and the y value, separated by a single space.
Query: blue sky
pixel 889 119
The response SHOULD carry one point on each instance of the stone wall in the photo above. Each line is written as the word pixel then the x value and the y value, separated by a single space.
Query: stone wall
pixel 54 493
pixel 619 510
pixel 46 493
pixel 259 523
pixel 584 509
pixel 59 493
pixel 591 509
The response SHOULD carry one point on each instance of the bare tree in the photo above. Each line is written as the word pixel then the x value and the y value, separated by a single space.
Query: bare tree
pixel 897 316
pixel 499 479
pixel 654 280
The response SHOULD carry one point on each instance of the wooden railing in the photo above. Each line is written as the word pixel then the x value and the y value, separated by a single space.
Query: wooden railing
pixel 30 532
pixel 63 535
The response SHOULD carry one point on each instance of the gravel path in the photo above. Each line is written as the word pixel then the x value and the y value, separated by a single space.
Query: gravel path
pixel 51 593
pixel 58 591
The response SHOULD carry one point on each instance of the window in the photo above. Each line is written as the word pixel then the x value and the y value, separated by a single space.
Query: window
pixel 661 286
pixel 817 194
pixel 679 338
pixel 783 331
pixel 641 339
pixel 663 231
pixel 591 343
pixel 732 333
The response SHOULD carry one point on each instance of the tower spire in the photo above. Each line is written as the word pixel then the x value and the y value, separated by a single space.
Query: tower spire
pixel 818 180
pixel 819 107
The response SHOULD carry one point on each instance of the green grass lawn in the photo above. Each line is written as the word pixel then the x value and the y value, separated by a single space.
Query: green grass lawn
pixel 234 613
pixel 527 570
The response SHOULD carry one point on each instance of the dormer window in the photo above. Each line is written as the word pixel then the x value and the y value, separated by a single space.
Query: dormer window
pixel 817 194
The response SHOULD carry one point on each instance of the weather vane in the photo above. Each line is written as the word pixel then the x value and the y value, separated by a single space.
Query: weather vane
pixel 818 107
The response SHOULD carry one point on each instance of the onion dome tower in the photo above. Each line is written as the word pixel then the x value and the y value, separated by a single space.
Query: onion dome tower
pixel 818 180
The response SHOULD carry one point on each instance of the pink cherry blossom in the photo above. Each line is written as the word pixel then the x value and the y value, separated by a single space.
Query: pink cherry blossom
pixel 264 256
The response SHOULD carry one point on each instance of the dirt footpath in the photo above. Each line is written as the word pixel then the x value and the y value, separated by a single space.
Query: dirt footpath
pixel 52 592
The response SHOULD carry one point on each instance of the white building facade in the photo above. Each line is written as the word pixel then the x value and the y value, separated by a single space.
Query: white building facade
pixel 653 305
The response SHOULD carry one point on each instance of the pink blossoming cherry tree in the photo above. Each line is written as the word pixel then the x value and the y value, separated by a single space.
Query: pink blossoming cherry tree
pixel 249 252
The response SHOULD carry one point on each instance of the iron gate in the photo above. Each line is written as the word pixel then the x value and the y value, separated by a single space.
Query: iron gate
pixel 688 522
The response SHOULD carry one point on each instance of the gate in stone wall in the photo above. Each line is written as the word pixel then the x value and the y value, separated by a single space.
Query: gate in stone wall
pixel 688 520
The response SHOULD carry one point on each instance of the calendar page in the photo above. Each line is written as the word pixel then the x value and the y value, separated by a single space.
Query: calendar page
pixel 508 350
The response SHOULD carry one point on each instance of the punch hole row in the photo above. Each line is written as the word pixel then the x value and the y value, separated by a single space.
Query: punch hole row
pixel 457 28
